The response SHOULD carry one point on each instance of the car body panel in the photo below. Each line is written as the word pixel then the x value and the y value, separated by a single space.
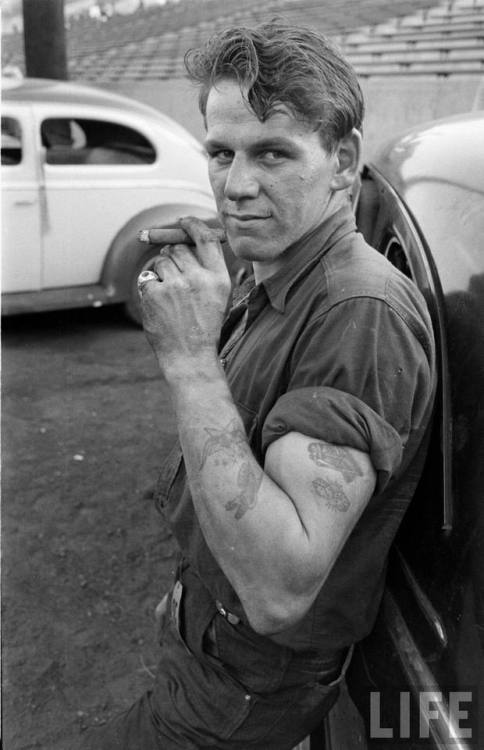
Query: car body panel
pixel 60 219
pixel 422 204
pixel 21 214
pixel 436 169
pixel 42 91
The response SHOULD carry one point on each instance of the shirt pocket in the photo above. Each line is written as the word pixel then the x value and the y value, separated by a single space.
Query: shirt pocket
pixel 170 471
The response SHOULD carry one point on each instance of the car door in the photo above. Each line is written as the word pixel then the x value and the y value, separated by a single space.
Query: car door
pixel 22 239
pixel 98 173
pixel 419 675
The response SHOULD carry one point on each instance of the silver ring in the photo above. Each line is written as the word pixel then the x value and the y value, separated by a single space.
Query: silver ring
pixel 147 276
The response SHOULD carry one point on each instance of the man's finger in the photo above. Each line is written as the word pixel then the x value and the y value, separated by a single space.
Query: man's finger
pixel 207 243
pixel 172 236
pixel 173 259
pixel 146 277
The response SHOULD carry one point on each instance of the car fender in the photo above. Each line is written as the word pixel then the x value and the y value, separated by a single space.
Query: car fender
pixel 126 250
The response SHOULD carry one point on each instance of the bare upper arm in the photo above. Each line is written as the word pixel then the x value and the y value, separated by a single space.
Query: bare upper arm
pixel 329 486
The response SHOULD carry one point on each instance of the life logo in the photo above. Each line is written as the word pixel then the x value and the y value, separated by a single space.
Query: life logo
pixel 446 717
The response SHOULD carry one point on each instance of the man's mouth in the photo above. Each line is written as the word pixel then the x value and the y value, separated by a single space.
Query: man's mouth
pixel 246 217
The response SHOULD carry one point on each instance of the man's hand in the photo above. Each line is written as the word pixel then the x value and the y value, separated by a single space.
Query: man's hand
pixel 183 310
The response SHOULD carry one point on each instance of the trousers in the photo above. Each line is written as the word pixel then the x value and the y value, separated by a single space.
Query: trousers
pixel 198 702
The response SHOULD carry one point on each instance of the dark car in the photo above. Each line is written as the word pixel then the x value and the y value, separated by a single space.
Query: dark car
pixel 418 679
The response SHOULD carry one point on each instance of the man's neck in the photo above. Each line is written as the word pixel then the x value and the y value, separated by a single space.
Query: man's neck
pixel 264 269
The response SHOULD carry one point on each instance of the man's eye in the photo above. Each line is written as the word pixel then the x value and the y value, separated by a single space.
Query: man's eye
pixel 222 156
pixel 273 155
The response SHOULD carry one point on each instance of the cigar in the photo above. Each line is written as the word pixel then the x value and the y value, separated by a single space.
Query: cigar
pixel 172 236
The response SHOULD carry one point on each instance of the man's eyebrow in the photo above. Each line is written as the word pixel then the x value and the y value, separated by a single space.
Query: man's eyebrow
pixel 213 143
pixel 275 141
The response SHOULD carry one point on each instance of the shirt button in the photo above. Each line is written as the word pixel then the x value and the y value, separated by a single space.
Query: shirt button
pixel 247 697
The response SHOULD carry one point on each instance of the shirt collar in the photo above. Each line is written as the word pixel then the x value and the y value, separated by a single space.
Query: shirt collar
pixel 306 252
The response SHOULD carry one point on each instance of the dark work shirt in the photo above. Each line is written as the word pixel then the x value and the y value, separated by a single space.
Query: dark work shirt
pixel 337 345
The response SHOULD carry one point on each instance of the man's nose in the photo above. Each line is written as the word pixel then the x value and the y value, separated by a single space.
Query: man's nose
pixel 241 180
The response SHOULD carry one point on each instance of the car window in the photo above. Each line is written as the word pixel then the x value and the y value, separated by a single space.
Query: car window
pixel 92 142
pixel 393 250
pixel 11 141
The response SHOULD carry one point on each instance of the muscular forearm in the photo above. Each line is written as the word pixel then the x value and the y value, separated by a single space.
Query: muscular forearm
pixel 250 524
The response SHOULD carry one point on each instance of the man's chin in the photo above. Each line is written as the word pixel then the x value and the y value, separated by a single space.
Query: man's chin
pixel 250 249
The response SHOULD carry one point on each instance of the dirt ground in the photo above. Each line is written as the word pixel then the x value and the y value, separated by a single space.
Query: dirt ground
pixel 85 557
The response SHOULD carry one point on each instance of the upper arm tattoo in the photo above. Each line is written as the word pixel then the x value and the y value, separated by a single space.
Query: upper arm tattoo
pixel 332 493
pixel 333 457
pixel 340 460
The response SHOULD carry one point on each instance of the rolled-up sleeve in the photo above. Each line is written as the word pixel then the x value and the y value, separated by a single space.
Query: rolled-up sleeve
pixel 360 377
pixel 338 418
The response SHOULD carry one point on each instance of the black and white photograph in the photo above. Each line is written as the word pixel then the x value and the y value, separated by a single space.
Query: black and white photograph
pixel 242 375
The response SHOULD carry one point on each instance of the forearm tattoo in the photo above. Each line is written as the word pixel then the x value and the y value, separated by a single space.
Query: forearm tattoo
pixel 229 445
pixel 248 481
pixel 332 457
pixel 332 493
pixel 229 442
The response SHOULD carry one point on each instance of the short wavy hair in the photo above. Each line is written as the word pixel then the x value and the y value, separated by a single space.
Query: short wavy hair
pixel 276 63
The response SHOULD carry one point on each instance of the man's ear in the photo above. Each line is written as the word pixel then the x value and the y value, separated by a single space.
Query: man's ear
pixel 348 154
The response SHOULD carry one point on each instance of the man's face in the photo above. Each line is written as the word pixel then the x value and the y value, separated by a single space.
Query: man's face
pixel 272 180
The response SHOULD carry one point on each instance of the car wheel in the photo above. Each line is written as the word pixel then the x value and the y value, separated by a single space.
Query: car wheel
pixel 145 263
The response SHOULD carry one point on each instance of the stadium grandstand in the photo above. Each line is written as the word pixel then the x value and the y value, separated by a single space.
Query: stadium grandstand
pixel 150 42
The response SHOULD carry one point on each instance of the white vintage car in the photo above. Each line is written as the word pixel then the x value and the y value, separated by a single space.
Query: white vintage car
pixel 82 171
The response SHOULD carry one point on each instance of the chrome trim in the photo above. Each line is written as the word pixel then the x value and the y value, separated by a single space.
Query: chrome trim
pixel 420 678
pixel 426 606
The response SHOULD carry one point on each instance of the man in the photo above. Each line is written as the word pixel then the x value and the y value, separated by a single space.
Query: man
pixel 301 418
